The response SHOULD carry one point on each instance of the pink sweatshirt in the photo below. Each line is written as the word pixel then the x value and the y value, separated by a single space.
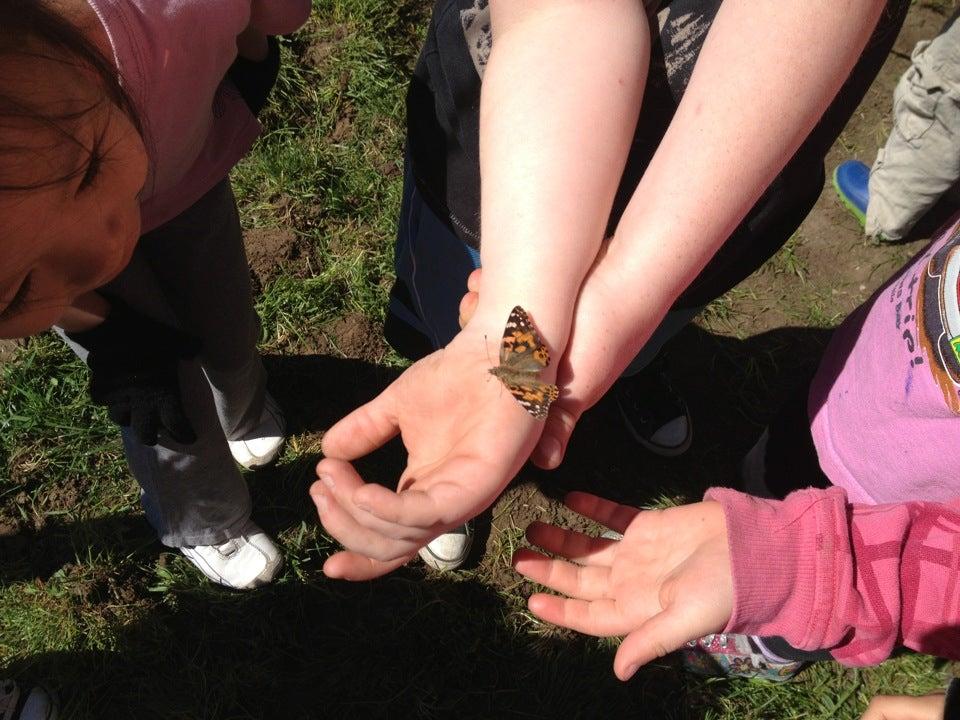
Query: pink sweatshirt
pixel 861 579
pixel 173 56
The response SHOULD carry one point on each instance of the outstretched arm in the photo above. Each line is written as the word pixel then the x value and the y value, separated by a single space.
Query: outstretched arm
pixel 813 569
pixel 559 105
pixel 766 74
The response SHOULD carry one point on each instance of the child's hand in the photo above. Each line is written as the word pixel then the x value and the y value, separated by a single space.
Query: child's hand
pixel 902 707
pixel 666 582
pixel 466 437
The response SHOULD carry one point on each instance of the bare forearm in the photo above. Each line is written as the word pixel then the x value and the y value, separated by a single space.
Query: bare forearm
pixel 560 100
pixel 767 72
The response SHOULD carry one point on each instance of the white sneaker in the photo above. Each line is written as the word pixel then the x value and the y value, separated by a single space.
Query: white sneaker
pixel 242 563
pixel 261 445
pixel 17 703
pixel 450 550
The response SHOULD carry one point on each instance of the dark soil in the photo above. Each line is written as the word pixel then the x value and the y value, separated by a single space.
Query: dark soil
pixel 269 253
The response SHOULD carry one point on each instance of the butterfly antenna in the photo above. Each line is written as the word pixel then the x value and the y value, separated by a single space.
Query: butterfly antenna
pixel 486 349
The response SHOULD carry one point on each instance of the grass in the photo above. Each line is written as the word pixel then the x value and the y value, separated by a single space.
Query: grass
pixel 91 604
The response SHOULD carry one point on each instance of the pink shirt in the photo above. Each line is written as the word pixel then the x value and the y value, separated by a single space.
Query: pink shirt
pixel 884 404
pixel 173 56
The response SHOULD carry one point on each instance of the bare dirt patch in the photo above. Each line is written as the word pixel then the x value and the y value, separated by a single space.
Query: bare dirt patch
pixel 270 252
pixel 318 53
pixel 355 336
pixel 7 349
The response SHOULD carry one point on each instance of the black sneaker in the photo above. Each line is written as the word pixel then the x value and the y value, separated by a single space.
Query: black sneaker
pixel 654 412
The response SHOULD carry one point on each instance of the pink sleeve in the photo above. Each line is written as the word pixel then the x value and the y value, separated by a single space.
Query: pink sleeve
pixel 856 579
pixel 279 17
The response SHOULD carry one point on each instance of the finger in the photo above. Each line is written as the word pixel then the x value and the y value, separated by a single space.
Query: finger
pixel 341 481
pixel 600 618
pixel 410 508
pixel 468 305
pixel 577 581
pixel 353 536
pixel 364 430
pixel 552 445
pixel 658 636
pixel 612 515
pixel 473 280
pixel 572 545
pixel 353 566
pixel 458 489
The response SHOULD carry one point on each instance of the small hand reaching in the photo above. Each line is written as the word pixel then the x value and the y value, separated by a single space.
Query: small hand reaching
pixel 666 582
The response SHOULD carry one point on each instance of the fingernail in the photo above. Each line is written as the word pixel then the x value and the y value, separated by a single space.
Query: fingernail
pixel 628 673
pixel 327 480
pixel 552 451
pixel 321 501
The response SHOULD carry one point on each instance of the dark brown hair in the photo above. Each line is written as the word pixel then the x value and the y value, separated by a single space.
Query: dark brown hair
pixel 35 29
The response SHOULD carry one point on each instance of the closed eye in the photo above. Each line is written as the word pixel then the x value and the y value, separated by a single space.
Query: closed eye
pixel 92 169
pixel 18 301
pixel 95 160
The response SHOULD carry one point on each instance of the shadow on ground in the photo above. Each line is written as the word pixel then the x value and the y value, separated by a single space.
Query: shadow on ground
pixel 411 644
pixel 733 388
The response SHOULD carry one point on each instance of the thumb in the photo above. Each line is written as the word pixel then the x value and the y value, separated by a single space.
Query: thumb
pixel 468 305
pixel 552 446
pixel 353 566
pixel 660 635
pixel 365 429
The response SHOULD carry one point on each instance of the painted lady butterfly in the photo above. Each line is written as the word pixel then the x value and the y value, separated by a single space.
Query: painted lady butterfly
pixel 522 356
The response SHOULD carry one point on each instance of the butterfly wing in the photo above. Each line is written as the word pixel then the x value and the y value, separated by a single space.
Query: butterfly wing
pixel 522 349
pixel 534 397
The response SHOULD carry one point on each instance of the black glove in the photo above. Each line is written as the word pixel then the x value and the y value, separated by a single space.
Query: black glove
pixel 255 79
pixel 133 372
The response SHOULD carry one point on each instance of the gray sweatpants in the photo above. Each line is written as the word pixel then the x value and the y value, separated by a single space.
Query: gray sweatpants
pixel 921 159
pixel 192 273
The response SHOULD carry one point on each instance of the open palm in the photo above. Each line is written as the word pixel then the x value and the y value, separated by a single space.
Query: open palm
pixel 666 582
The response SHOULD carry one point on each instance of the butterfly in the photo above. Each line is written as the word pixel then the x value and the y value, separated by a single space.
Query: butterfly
pixel 522 356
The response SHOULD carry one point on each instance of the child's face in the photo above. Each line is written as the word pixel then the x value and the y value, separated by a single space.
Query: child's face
pixel 66 237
